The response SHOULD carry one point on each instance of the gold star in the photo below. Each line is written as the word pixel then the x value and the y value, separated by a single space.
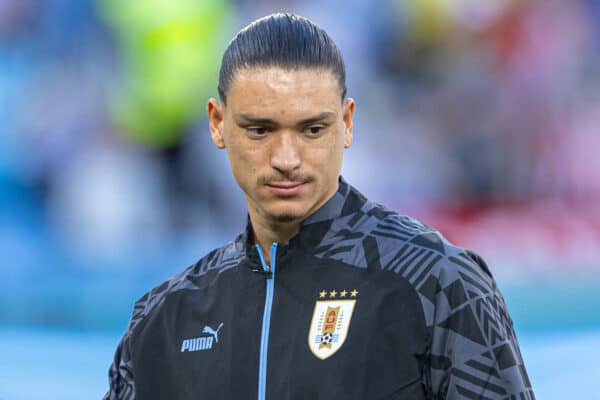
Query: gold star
pixel 353 293
pixel 332 293
pixel 322 294
pixel 343 293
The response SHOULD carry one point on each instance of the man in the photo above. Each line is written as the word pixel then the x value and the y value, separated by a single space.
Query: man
pixel 326 295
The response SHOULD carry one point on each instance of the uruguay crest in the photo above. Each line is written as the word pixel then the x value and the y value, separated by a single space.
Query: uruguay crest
pixel 330 322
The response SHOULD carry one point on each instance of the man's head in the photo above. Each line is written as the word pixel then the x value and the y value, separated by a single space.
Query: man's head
pixel 287 41
pixel 284 119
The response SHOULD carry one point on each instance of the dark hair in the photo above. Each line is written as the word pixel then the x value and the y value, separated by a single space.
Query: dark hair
pixel 281 40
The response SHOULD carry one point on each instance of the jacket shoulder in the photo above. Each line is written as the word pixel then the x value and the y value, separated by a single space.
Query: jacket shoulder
pixel 380 239
pixel 402 238
pixel 474 351
pixel 377 237
pixel 121 374
pixel 216 261
pixel 431 263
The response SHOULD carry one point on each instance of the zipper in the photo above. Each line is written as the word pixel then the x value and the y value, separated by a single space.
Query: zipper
pixel 266 322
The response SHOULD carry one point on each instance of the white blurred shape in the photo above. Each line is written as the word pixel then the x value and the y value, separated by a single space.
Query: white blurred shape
pixel 109 202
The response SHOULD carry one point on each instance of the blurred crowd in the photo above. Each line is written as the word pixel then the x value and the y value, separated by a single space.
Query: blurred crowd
pixel 480 117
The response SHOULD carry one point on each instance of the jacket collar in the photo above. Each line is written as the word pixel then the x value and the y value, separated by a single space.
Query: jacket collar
pixel 333 207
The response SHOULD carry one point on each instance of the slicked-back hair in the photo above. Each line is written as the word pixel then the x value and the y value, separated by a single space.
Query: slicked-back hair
pixel 282 40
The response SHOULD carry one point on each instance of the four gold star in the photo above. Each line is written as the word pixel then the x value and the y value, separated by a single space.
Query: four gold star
pixel 323 293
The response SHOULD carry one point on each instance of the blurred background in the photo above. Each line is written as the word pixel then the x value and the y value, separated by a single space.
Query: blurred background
pixel 480 118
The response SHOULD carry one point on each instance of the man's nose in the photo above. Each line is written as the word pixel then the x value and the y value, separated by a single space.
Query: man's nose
pixel 285 155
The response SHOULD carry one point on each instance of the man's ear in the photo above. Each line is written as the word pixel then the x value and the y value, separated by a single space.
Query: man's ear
pixel 214 109
pixel 349 107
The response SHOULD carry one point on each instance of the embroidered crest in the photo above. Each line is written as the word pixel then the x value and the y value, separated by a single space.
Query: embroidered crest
pixel 330 322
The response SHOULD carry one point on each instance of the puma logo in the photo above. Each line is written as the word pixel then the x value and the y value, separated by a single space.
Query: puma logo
pixel 203 342
pixel 213 332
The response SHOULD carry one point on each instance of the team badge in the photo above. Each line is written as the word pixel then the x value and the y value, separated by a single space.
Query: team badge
pixel 330 322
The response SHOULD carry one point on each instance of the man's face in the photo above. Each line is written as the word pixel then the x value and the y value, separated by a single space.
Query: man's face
pixel 285 132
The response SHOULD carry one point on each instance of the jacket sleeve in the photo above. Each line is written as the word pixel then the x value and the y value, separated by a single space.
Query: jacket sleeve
pixel 120 374
pixel 474 350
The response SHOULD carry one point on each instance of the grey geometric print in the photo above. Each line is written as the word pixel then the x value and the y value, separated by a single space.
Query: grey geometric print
pixel 121 376
pixel 473 352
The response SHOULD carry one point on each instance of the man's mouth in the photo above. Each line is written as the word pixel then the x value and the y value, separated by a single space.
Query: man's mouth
pixel 285 189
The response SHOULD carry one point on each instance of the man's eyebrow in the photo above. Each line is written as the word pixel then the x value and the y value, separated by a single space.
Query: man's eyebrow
pixel 251 119
pixel 316 118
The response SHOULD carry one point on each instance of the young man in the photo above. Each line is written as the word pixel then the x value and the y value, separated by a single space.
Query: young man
pixel 326 295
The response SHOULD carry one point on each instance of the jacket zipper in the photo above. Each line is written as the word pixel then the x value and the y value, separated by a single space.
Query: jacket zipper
pixel 266 322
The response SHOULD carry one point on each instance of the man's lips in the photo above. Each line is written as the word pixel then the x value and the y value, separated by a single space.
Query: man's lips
pixel 285 189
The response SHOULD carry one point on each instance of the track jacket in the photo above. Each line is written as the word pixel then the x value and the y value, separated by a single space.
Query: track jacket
pixel 362 304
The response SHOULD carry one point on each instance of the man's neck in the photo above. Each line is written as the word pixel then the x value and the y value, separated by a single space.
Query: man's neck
pixel 268 232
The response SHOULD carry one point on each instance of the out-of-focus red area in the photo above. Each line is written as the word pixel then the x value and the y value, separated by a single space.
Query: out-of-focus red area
pixel 528 241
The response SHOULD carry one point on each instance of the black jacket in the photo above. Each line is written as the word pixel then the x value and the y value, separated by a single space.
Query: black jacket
pixel 362 304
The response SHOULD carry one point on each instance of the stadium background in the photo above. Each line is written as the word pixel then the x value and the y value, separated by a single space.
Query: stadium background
pixel 478 117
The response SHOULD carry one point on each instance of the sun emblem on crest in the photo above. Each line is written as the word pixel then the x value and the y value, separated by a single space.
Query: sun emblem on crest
pixel 331 321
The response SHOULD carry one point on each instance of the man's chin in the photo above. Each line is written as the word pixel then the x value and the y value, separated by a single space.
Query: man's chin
pixel 285 218
pixel 286 215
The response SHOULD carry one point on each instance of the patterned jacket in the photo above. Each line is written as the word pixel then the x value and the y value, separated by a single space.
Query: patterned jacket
pixel 362 304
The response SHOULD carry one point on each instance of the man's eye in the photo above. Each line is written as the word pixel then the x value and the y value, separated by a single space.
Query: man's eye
pixel 314 130
pixel 257 130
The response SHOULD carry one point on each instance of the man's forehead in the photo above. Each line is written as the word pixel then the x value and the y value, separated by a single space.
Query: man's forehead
pixel 277 90
pixel 280 80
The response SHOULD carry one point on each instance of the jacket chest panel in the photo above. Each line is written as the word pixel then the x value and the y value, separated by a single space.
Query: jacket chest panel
pixel 341 332
pixel 205 342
